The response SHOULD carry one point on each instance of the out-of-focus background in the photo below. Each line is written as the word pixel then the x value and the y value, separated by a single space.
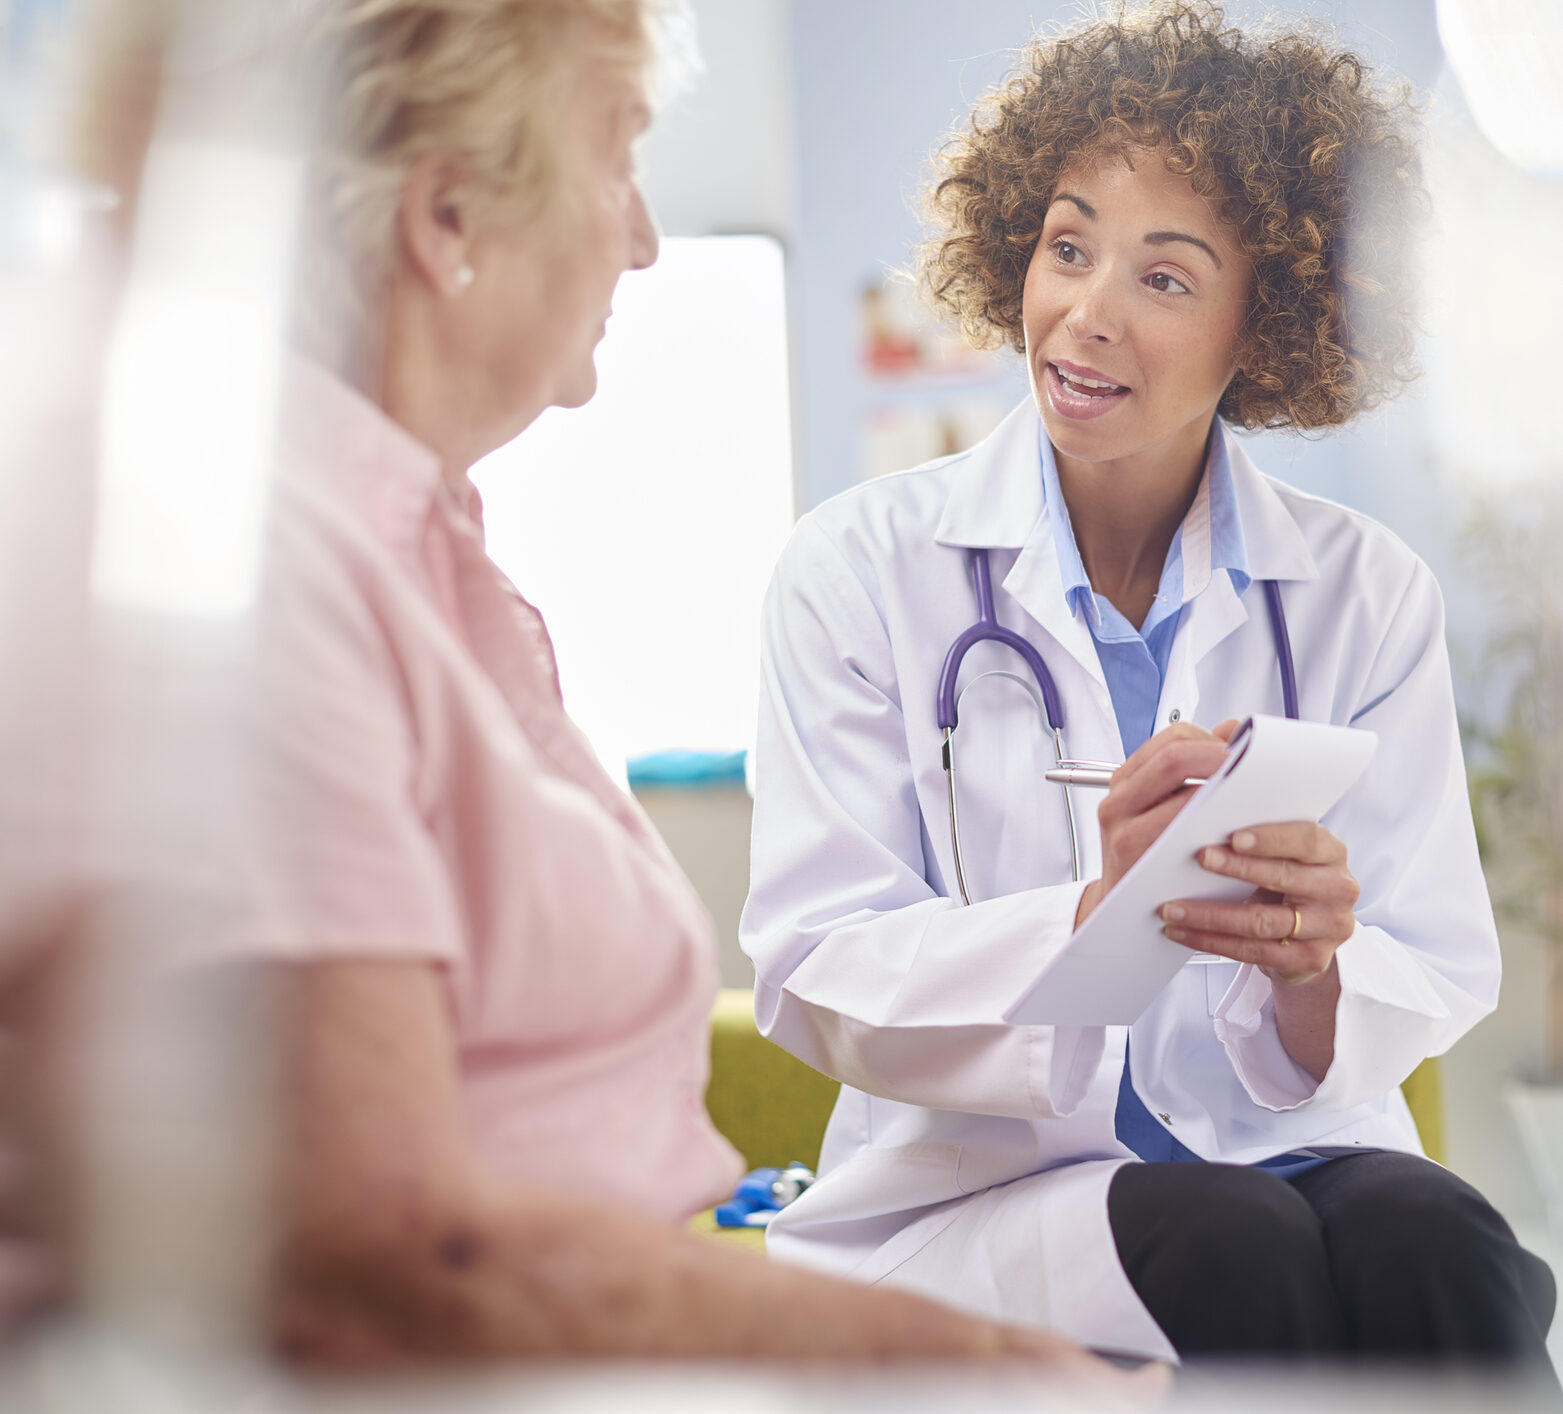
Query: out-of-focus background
pixel 775 356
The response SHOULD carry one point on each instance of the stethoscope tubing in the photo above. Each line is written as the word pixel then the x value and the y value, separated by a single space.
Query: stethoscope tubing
pixel 988 629
pixel 1283 648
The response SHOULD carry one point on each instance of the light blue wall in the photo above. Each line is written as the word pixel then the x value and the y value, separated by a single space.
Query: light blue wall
pixel 877 82
pixel 22 22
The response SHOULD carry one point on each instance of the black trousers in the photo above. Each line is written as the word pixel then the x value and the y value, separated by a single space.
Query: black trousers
pixel 1377 1254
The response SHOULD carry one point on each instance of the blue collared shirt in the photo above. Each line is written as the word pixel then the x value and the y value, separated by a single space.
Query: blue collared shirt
pixel 1134 662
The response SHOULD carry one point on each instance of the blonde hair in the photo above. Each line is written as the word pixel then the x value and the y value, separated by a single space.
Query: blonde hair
pixel 397 79
pixel 364 88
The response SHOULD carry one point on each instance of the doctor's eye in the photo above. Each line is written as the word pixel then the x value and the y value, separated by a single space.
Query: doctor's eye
pixel 1066 252
pixel 1166 284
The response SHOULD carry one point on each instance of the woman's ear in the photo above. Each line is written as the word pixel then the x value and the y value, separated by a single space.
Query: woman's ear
pixel 434 220
pixel 1245 358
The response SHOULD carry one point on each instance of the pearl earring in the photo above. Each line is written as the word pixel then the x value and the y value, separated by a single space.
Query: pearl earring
pixel 465 276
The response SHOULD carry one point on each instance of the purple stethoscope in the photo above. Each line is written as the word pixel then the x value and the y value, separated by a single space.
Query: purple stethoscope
pixel 988 627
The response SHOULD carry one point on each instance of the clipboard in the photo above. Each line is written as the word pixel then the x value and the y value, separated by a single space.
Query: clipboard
pixel 1118 961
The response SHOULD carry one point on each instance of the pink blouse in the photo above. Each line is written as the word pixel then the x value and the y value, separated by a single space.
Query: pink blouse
pixel 423 795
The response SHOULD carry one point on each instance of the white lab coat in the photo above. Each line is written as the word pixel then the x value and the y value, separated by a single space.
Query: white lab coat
pixel 971 1159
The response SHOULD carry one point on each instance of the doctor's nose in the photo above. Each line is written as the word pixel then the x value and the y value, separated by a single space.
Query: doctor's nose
pixel 1095 316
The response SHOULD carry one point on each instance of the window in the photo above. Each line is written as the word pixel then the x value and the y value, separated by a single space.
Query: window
pixel 644 526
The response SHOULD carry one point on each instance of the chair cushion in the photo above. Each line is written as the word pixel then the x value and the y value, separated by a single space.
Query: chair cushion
pixel 771 1106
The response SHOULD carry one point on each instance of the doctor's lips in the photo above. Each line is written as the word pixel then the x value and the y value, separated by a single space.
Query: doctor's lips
pixel 1080 393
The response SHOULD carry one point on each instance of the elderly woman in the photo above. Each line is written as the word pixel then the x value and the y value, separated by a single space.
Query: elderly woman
pixel 1184 229
pixel 497 982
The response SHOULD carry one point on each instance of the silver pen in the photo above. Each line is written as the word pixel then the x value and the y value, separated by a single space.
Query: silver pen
pixel 1096 774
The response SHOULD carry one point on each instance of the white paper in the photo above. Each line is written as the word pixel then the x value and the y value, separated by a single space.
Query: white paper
pixel 1276 770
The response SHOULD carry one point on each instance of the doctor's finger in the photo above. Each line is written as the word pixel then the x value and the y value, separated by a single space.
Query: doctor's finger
pixel 1292 963
pixel 1162 775
pixel 1127 836
pixel 1329 883
pixel 1293 839
pixel 1164 740
pixel 1288 922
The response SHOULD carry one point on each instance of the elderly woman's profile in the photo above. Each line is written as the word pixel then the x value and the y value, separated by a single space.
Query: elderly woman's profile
pixel 498 981
pixel 1185 228
pixel 495 984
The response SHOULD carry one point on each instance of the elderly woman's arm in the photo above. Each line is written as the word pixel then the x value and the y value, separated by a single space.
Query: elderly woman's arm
pixel 397 1245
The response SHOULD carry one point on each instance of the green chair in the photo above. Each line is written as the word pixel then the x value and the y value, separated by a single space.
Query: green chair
pixel 770 1105
pixel 773 1108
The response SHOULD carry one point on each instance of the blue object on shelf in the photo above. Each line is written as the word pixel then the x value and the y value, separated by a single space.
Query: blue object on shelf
pixel 687 768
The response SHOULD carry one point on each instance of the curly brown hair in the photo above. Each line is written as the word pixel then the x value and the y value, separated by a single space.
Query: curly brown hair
pixel 1313 166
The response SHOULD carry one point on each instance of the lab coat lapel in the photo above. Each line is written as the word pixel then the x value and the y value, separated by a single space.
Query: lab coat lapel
pixel 1276 550
pixel 1207 620
pixel 1037 585
pixel 996 504
pixel 1276 546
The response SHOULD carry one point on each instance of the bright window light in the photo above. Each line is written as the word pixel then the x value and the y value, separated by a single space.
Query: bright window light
pixel 645 525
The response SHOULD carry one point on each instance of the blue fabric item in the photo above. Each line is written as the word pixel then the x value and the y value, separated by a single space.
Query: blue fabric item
pixel 691 769
pixel 1134 662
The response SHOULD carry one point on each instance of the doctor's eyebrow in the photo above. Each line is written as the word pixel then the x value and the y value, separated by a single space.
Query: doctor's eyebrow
pixel 1166 237
pixel 1153 238
pixel 1086 209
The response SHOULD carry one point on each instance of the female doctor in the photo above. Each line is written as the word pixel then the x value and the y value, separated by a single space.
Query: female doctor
pixel 1155 213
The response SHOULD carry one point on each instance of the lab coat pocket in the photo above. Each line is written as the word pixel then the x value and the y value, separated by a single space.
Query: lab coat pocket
pixel 917 1180
pixel 869 1215
pixel 877 1181
pixel 1008 1151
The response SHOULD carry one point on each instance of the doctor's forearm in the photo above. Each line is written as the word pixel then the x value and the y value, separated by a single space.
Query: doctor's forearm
pixel 1305 1019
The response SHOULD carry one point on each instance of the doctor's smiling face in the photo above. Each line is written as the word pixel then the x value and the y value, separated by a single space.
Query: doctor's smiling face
pixel 1133 309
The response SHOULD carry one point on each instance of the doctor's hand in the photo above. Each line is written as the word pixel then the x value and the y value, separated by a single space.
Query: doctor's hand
pixel 1299 913
pixel 1290 927
pixel 1146 792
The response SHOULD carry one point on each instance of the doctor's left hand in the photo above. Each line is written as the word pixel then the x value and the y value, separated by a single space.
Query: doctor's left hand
pixel 1298 915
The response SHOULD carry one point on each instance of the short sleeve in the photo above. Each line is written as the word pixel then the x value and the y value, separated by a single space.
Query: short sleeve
pixel 338 859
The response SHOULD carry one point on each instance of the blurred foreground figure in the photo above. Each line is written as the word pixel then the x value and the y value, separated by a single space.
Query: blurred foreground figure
pixel 334 781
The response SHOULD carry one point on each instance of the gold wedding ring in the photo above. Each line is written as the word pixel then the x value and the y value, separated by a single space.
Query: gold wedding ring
pixel 1296 924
